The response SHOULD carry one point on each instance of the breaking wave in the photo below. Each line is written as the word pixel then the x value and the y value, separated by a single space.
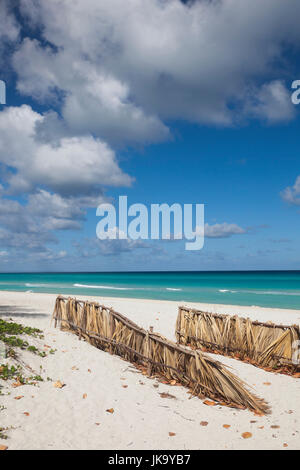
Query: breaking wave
pixel 87 286
pixel 260 292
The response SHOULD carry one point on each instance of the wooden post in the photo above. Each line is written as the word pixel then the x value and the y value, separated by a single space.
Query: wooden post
pixel 178 326
pixel 149 370
pixel 81 320
pixel 111 330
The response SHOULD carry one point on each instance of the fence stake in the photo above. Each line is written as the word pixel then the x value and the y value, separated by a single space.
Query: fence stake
pixel 149 370
pixel 111 330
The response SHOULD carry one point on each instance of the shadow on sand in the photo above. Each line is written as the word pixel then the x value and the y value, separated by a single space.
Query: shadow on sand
pixel 16 311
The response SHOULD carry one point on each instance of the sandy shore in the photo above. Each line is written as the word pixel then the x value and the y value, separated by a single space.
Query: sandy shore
pixel 142 419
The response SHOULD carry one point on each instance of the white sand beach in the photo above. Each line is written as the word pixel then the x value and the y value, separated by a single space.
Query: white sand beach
pixel 75 416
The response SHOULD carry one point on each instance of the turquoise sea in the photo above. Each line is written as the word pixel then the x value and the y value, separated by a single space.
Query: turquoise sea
pixel 279 289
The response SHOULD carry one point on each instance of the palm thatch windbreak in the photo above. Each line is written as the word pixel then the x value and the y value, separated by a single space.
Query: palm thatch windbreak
pixel 110 331
pixel 264 344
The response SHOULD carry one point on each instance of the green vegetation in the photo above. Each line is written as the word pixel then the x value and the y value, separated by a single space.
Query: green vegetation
pixel 2 435
pixel 10 335
pixel 14 337
pixel 11 328
pixel 11 372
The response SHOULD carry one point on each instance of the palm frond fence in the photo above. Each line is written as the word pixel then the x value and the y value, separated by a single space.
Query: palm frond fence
pixel 270 346
pixel 112 332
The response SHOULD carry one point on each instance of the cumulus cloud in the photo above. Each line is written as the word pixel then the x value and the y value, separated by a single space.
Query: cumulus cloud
pixel 56 180
pixel 71 166
pixel 30 224
pixel 112 245
pixel 93 100
pixel 291 194
pixel 27 229
pixel 271 102
pixel 9 28
pixel 223 230
pixel 198 61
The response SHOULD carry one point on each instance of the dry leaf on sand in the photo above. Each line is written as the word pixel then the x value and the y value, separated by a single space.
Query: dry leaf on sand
pixel 267 383
pixel 167 395
pixel 26 413
pixel 209 403
pixel 171 434
pixel 84 396
pixel 246 435
pixel 203 423
pixel 17 384
pixel 110 410
pixel 19 397
pixel 58 384
pixel 226 426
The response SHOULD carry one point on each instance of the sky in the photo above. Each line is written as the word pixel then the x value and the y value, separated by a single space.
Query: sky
pixel 163 101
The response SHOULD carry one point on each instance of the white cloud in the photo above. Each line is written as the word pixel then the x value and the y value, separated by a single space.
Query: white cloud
pixel 110 246
pixel 95 101
pixel 42 212
pixel 27 229
pixel 73 166
pixel 292 194
pixel 58 178
pixel 49 255
pixel 123 79
pixel 272 102
pixel 9 28
pixel 223 230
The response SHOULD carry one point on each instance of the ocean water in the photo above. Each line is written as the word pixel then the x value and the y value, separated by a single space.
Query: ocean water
pixel 279 289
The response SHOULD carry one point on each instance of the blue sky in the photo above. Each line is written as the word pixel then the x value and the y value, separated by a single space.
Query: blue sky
pixel 184 102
